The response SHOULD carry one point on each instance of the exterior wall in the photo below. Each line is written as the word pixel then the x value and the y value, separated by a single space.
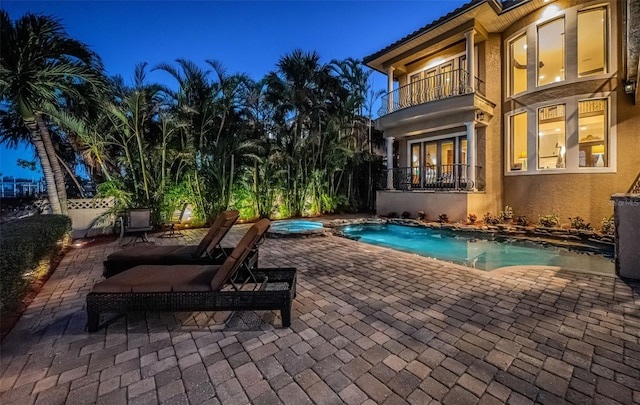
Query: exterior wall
pixel 579 194
pixel 457 205
pixel 491 154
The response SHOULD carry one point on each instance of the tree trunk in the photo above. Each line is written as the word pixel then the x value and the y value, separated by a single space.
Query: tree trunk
pixel 58 174
pixel 52 191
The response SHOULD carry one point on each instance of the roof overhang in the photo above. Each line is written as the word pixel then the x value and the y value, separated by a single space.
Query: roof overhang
pixel 484 16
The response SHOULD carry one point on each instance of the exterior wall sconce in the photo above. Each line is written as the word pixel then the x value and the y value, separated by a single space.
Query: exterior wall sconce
pixel 480 116
pixel 629 86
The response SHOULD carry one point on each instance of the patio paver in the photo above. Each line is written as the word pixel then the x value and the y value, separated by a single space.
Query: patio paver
pixel 369 325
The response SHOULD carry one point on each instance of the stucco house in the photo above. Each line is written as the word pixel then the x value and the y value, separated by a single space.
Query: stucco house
pixel 532 104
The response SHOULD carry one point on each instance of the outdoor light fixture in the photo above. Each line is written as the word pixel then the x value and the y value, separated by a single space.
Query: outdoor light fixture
pixel 629 86
pixel 480 116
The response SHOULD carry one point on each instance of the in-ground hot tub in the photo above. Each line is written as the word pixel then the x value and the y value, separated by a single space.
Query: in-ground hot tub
pixel 296 228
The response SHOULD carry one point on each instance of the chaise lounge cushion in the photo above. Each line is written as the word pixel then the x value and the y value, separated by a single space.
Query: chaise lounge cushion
pixel 151 278
pixel 206 252
pixel 155 254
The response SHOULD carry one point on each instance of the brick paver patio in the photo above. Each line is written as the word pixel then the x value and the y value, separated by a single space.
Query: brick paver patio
pixel 370 325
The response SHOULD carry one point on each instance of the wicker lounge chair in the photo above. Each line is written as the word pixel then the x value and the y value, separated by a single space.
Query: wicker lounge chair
pixel 207 252
pixel 198 288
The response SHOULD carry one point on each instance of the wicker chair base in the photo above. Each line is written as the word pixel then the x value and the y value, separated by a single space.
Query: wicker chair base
pixel 113 267
pixel 277 291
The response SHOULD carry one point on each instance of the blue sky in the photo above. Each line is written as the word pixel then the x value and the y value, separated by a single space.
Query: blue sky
pixel 246 36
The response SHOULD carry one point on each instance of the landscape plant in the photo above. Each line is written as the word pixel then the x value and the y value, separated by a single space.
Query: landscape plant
pixel 608 226
pixel 549 220
pixel 443 218
pixel 580 224
pixel 21 253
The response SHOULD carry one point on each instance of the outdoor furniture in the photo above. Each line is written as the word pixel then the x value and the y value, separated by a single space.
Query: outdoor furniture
pixel 207 252
pixel 137 222
pixel 198 288
pixel 176 219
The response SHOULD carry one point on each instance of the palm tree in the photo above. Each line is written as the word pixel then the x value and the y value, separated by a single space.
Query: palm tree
pixel 38 63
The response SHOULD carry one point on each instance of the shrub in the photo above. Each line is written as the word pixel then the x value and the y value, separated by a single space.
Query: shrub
pixel 421 215
pixel 472 218
pixel 579 223
pixel 22 250
pixel 549 220
pixel 392 214
pixel 491 220
pixel 406 214
pixel 443 218
pixel 522 220
pixel 608 226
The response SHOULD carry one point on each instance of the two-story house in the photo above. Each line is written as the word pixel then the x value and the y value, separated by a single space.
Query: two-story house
pixel 526 103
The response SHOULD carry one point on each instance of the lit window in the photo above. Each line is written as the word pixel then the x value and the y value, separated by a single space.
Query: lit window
pixel 552 141
pixel 593 130
pixel 592 39
pixel 518 49
pixel 551 52
pixel 518 142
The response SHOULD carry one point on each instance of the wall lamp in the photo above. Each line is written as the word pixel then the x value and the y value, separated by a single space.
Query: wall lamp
pixel 629 86
pixel 480 116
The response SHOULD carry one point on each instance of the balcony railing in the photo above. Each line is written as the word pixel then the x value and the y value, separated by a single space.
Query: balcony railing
pixel 437 87
pixel 453 177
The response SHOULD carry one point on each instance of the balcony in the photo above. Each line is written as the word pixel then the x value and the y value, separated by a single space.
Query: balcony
pixel 437 87
pixel 448 177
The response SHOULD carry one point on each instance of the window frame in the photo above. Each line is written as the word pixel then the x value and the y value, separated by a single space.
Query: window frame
pixel 510 42
pixel 571 60
pixel 571 135
pixel 552 20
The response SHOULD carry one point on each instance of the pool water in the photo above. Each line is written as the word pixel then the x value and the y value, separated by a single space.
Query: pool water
pixel 295 225
pixel 473 252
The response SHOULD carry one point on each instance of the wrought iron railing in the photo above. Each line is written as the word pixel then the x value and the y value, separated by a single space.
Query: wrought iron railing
pixel 437 87
pixel 453 177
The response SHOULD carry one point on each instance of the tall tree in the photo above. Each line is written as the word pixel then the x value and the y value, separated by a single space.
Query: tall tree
pixel 39 61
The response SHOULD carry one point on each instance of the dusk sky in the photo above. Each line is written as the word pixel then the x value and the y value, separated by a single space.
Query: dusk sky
pixel 246 36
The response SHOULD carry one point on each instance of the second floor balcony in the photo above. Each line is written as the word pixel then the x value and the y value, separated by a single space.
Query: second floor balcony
pixel 440 86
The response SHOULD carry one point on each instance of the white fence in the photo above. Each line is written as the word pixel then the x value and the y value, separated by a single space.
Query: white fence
pixel 88 216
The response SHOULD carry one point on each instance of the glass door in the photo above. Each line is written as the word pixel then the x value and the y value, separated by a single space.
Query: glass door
pixel 446 78
pixel 415 165
pixel 415 89
pixel 430 85
pixel 430 163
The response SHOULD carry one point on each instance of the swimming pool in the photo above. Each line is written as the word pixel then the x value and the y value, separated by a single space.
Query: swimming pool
pixel 472 251
pixel 296 228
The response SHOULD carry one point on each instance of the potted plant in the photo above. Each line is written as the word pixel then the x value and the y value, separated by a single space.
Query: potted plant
pixel 507 215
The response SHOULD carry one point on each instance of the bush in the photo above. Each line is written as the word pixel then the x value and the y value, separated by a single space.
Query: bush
pixel 491 220
pixel 421 215
pixel 406 215
pixel 608 226
pixel 392 214
pixel 579 223
pixel 549 221
pixel 22 250
pixel 522 220
pixel 472 218
pixel 443 218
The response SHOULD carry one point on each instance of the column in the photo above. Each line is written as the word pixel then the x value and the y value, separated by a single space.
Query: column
pixel 390 163
pixel 471 152
pixel 390 70
pixel 471 62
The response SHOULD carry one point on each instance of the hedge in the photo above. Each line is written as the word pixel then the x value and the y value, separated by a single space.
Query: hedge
pixel 23 244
